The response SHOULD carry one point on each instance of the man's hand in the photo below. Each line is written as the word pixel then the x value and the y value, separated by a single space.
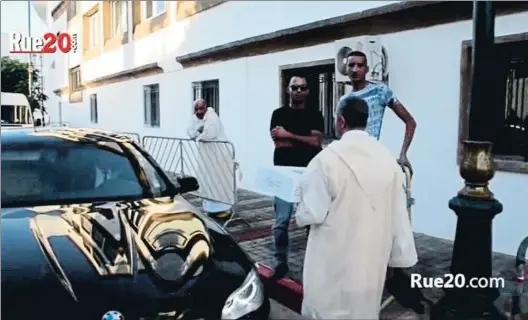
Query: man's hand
pixel 404 162
pixel 280 133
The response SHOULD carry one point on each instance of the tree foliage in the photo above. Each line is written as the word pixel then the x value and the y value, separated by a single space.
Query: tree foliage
pixel 15 79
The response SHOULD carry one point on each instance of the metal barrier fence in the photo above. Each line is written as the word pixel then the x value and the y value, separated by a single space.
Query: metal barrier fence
pixel 132 135
pixel 212 163
pixel 410 203
pixel 57 124
pixel 521 267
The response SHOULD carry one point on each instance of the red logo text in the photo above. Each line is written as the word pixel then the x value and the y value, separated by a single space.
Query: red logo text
pixel 49 43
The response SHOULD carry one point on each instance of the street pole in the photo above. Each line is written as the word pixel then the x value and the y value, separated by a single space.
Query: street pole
pixel 30 67
pixel 475 205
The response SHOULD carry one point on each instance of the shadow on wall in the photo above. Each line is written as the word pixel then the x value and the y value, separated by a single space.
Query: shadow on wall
pixel 172 39
pixel 188 10
pixel 178 40
pixel 176 37
pixel 129 56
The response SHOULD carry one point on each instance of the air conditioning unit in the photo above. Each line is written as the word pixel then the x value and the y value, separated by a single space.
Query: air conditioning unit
pixel 376 57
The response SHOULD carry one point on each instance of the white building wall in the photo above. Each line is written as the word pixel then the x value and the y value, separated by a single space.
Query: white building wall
pixel 55 70
pixel 211 28
pixel 424 73
pixel 251 18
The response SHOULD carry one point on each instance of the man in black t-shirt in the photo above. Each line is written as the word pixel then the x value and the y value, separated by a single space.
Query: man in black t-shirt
pixel 297 132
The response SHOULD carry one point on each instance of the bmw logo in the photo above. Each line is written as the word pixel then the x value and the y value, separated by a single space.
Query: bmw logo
pixel 113 315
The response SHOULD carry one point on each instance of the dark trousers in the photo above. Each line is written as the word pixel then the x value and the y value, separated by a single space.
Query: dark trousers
pixel 283 214
pixel 398 284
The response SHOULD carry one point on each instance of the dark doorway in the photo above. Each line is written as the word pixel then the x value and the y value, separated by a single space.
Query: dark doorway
pixel 324 91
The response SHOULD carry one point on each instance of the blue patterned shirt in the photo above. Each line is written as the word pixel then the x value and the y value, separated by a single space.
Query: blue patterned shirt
pixel 378 96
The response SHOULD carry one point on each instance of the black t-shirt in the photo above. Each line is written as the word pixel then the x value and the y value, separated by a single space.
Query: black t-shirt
pixel 299 122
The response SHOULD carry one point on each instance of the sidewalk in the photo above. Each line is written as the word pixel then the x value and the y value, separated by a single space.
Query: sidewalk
pixel 434 257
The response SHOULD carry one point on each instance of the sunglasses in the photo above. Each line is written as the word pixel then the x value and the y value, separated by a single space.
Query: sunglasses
pixel 353 64
pixel 298 88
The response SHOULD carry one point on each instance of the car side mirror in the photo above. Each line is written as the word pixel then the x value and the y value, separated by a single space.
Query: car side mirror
pixel 188 184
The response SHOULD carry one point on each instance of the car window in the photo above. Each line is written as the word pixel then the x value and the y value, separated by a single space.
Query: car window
pixel 155 181
pixel 70 171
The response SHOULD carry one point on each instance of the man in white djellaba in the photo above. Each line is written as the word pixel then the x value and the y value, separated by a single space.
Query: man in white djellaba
pixel 213 163
pixel 352 197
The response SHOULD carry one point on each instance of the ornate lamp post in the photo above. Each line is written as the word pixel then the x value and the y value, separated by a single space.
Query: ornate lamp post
pixel 30 66
pixel 475 205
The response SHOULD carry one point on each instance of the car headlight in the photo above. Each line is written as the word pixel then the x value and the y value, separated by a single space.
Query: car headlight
pixel 247 298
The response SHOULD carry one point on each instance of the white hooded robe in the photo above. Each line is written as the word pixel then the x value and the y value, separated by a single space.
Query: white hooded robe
pixel 212 163
pixel 352 197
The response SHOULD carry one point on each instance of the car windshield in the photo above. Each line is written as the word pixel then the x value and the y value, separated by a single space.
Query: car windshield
pixel 75 172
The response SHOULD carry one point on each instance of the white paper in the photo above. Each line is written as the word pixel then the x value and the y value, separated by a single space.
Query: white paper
pixel 281 182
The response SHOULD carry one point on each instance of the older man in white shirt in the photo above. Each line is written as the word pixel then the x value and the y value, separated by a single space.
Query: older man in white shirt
pixel 213 162
pixel 352 197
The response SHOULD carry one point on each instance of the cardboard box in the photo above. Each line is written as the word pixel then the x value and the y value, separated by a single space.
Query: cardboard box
pixel 281 182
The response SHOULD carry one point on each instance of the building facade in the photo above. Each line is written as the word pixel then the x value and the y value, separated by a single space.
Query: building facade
pixel 5 50
pixel 139 65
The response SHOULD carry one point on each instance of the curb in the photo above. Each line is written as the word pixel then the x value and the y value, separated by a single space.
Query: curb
pixel 285 291
pixel 289 293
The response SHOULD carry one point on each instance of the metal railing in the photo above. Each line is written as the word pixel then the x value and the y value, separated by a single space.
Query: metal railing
pixel 410 203
pixel 212 163
pixel 521 268
pixel 132 135
pixel 56 124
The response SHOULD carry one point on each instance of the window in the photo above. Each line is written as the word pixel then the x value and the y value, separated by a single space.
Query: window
pixel 72 9
pixel 153 8
pixel 75 79
pixel 9 114
pixel 323 90
pixel 209 91
pixel 510 141
pixel 16 114
pixel 94 34
pixel 93 108
pixel 118 10
pixel 151 105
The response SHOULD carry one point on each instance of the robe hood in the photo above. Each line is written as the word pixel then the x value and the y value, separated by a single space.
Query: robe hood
pixel 360 153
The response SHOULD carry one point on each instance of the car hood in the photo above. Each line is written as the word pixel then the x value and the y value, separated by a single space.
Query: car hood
pixel 143 258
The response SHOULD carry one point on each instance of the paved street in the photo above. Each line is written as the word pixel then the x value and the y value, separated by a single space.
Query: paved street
pixel 434 253
pixel 279 311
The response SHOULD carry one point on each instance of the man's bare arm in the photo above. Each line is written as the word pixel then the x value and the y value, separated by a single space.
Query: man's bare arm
pixel 410 125
pixel 314 139
pixel 281 143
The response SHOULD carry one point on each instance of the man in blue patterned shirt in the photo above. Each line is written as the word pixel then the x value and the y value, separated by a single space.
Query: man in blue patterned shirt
pixel 378 96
